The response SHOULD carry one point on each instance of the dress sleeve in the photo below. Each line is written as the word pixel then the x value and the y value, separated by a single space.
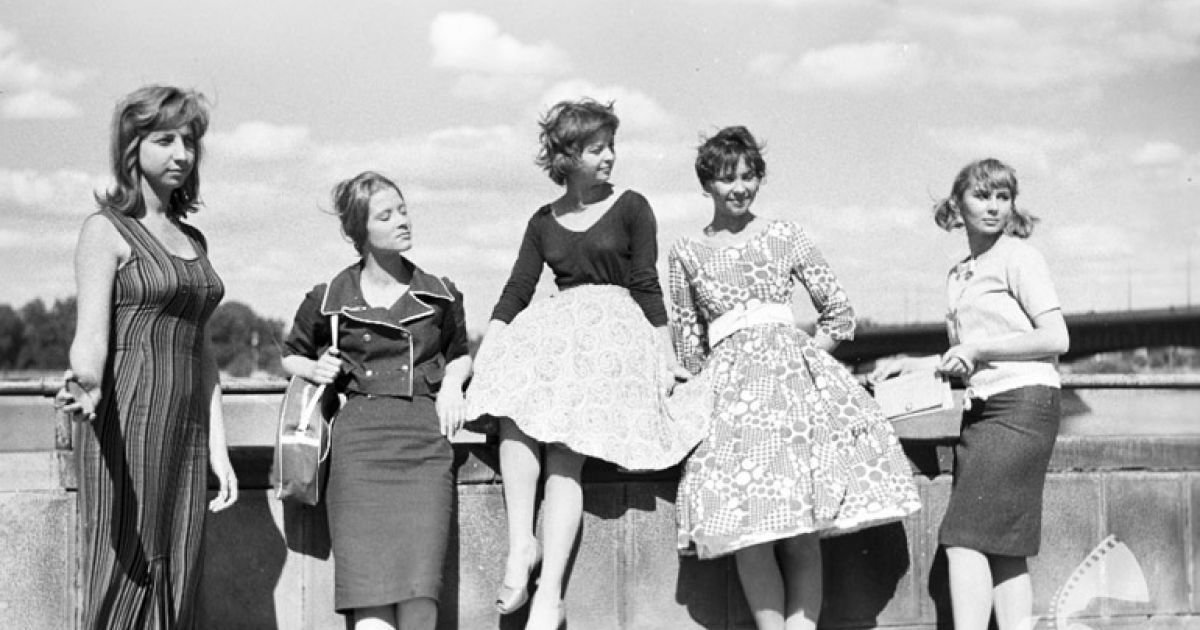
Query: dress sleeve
pixel 523 279
pixel 1030 283
pixel 688 332
pixel 835 317
pixel 454 326
pixel 310 330
pixel 643 282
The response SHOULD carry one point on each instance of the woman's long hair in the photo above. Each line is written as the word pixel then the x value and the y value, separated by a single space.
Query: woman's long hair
pixel 147 109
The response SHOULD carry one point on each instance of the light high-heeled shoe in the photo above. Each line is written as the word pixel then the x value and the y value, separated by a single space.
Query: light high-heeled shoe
pixel 510 599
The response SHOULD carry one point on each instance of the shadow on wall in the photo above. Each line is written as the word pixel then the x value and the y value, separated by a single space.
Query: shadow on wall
pixel 249 600
pixel 862 573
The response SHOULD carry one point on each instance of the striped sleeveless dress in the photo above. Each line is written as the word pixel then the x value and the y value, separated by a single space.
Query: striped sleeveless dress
pixel 145 456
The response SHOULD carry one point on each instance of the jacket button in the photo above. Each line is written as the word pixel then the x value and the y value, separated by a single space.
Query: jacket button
pixel 366 336
pixel 370 372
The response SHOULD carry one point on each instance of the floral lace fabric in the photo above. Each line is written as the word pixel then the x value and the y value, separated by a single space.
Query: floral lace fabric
pixel 583 368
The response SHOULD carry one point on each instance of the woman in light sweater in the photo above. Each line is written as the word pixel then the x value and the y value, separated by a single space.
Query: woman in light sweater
pixel 1006 332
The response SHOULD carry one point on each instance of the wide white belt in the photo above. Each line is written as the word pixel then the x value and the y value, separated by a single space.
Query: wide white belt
pixel 736 320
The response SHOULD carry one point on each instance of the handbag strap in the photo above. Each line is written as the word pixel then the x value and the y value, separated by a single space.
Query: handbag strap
pixel 333 329
pixel 333 336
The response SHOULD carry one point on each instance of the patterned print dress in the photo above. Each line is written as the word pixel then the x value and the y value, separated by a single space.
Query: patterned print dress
pixel 146 453
pixel 796 445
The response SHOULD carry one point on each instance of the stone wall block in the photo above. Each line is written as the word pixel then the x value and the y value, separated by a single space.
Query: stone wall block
pixel 1072 525
pixel 1148 512
pixel 37 586
pixel 664 589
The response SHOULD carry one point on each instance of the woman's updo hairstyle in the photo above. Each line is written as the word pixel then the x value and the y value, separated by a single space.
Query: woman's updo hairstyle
pixel 352 203
pixel 718 156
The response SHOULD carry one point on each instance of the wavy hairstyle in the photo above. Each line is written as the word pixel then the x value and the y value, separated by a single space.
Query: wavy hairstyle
pixel 145 110
pixel 987 174
pixel 352 203
pixel 719 155
pixel 565 129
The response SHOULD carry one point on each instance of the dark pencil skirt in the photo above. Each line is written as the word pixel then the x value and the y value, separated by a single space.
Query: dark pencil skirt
pixel 390 500
pixel 999 472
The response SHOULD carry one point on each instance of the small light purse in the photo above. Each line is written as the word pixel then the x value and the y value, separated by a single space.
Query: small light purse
pixel 303 438
pixel 913 394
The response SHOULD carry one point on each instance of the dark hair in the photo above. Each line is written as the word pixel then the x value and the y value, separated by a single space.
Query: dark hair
pixel 719 154
pixel 352 203
pixel 145 110
pixel 987 174
pixel 565 128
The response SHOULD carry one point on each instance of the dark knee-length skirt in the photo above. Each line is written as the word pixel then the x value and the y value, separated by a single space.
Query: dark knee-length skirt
pixel 390 501
pixel 1000 471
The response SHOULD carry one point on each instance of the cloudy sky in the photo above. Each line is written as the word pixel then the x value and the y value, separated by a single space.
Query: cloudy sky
pixel 868 110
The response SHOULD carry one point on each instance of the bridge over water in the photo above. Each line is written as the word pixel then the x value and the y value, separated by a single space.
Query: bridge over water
pixel 1091 333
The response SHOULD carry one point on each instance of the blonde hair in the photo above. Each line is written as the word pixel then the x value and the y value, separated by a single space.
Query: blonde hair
pixel 986 174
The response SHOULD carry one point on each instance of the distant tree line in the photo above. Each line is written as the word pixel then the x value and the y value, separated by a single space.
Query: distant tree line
pixel 38 337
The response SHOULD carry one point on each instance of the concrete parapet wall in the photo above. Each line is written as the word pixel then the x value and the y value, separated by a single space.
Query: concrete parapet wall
pixel 267 565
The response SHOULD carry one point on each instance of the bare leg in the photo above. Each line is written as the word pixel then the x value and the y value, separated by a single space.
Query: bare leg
pixel 375 618
pixel 520 469
pixel 562 512
pixel 418 614
pixel 762 583
pixel 970 588
pixel 800 559
pixel 1013 592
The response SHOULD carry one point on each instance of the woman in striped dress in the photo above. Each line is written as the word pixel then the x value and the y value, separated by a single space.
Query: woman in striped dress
pixel 143 373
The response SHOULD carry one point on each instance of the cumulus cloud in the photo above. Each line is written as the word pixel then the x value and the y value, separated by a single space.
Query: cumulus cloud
pixel 637 110
pixel 259 141
pixel 1022 45
pixel 60 192
pixel 1164 164
pixel 474 42
pixel 494 65
pixel 784 4
pixel 34 88
pixel 1022 147
pixel 38 104
pixel 1158 154
pixel 1033 45
pixel 865 66
pixel 496 87
pixel 1100 242
pixel 466 158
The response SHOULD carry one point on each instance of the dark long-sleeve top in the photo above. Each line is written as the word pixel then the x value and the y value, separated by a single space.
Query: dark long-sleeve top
pixel 397 351
pixel 620 248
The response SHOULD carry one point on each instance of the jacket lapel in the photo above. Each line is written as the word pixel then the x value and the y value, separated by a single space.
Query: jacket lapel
pixel 344 295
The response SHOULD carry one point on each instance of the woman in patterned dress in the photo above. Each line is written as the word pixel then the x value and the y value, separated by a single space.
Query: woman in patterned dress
pixel 144 374
pixel 797 449
pixel 1006 331
pixel 585 372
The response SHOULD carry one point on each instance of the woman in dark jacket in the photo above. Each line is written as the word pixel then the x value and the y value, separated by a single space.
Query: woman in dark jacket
pixel 401 361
